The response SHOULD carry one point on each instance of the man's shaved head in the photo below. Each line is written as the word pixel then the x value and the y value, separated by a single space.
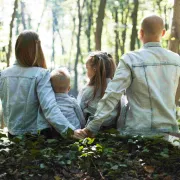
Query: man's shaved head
pixel 152 25
pixel 60 80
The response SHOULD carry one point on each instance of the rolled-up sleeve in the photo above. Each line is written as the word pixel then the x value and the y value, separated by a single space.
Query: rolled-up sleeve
pixel 113 93
pixel 49 106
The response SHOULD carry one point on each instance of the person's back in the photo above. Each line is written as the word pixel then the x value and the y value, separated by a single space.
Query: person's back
pixel 151 95
pixel 19 98
pixel 26 92
pixel 70 109
pixel 89 104
pixel 100 70
pixel 150 77
pixel 60 80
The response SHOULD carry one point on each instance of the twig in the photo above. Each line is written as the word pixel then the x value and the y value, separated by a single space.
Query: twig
pixel 102 177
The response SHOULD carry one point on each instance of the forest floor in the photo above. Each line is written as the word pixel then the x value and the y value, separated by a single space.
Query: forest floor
pixel 108 156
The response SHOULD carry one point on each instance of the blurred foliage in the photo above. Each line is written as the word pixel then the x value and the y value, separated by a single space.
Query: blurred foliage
pixel 108 156
pixel 43 14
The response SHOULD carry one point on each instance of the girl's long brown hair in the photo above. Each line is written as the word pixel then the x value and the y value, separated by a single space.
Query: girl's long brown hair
pixel 28 50
pixel 105 68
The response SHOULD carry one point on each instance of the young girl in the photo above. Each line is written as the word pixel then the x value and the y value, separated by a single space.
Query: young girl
pixel 28 100
pixel 100 70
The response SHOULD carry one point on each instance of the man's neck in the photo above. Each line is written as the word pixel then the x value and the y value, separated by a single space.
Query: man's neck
pixel 146 40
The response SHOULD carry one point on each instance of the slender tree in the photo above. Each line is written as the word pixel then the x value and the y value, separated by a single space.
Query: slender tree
pixel 125 7
pixel 10 34
pixel 99 24
pixel 89 6
pixel 72 39
pixel 175 28
pixel 78 53
pixel 42 14
pixel 116 35
pixel 134 23
pixel 23 14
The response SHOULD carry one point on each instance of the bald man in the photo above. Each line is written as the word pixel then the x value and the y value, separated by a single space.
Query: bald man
pixel 150 77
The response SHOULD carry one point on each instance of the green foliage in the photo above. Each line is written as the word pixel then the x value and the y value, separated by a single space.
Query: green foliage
pixel 108 156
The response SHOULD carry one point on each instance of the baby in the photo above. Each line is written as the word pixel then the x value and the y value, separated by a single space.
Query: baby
pixel 60 80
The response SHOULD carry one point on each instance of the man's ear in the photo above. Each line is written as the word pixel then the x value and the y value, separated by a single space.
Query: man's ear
pixel 163 32
pixel 141 34
pixel 69 88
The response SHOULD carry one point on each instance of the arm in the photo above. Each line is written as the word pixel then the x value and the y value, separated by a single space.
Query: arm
pixel 115 89
pixel 79 114
pixel 49 106
pixel 177 94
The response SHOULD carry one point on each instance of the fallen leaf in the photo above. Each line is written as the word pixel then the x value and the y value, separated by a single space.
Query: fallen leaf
pixel 149 169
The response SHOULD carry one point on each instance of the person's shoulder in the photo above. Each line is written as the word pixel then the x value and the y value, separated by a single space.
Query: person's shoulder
pixel 41 72
pixel 88 90
pixel 172 53
pixel 131 53
pixel 128 57
pixel 72 99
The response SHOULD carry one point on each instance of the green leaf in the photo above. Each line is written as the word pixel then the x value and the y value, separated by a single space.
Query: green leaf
pixel 2 135
pixel 51 141
pixel 42 166
pixel 80 148
pixel 68 162
pixel 164 155
pixel 115 167
pixel 122 165
pixel 145 150
pixel 57 178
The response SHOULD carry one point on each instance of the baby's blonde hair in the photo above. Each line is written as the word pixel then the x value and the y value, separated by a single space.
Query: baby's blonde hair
pixel 60 80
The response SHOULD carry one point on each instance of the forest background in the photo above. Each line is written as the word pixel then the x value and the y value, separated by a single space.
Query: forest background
pixel 70 29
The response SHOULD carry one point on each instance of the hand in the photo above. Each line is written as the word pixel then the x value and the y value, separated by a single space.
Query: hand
pixel 89 133
pixel 79 134
pixel 82 133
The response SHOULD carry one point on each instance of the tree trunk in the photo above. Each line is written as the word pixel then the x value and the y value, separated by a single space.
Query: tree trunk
pixel 99 24
pixel 134 22
pixel 175 29
pixel 78 45
pixel 18 22
pixel 90 17
pixel 72 42
pixel 29 22
pixel 10 34
pixel 53 40
pixel 44 8
pixel 61 39
pixel 22 14
pixel 124 22
pixel 116 36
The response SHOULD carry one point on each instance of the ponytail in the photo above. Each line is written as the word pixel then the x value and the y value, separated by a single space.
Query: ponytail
pixel 105 68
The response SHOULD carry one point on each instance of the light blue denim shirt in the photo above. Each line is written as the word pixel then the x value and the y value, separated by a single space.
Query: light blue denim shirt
pixel 150 77
pixel 27 97
pixel 70 109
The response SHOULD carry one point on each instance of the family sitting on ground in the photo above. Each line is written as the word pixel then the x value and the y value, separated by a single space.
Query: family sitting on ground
pixel 35 100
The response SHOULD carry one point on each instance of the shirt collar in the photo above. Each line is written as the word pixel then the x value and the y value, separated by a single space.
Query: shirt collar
pixel 152 44
pixel 61 95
